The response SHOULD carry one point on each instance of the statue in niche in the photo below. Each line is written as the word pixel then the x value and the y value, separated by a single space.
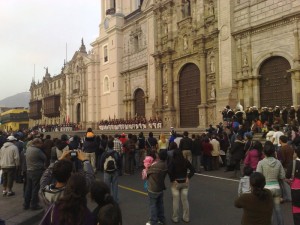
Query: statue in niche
pixel 211 8
pixel 165 75
pixel 185 42
pixel 245 60
pixel 212 92
pixel 166 98
pixel 186 8
pixel 212 64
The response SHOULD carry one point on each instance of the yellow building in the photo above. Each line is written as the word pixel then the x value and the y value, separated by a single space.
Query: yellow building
pixel 14 119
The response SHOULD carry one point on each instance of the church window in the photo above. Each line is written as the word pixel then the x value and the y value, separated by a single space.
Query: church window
pixel 105 54
pixel 106 85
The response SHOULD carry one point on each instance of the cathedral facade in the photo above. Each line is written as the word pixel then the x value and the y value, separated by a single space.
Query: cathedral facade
pixel 183 61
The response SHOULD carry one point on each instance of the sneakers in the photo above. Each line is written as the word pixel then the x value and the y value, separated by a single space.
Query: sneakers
pixel 11 193
pixel 148 223
pixel 4 193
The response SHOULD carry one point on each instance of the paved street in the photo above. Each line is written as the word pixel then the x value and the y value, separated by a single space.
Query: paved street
pixel 211 202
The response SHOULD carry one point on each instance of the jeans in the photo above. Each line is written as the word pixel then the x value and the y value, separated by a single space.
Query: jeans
pixel 156 204
pixel 277 214
pixel 180 191
pixel 196 162
pixel 8 176
pixel 129 162
pixel 32 188
pixel 139 157
pixel 111 179
pixel 207 162
pixel 215 162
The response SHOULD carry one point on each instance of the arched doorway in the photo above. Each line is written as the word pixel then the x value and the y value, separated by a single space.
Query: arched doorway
pixel 78 113
pixel 275 83
pixel 139 103
pixel 189 95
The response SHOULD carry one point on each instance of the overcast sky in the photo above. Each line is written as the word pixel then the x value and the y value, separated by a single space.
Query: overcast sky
pixel 36 32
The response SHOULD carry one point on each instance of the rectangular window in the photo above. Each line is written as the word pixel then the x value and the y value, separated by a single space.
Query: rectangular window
pixel 105 54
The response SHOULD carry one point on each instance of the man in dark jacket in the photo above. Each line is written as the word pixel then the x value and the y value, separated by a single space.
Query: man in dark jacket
pixel 35 159
pixel 90 147
pixel 156 185
pixel 237 154
pixel 186 145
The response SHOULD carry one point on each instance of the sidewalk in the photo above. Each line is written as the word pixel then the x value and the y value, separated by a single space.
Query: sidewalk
pixel 12 212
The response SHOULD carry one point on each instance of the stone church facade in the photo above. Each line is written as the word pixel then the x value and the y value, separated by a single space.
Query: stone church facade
pixel 184 60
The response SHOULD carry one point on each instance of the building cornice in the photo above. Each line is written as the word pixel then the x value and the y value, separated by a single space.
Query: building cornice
pixel 269 25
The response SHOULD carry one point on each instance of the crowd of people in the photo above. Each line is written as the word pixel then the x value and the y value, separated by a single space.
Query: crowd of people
pixel 57 127
pixel 58 173
pixel 130 124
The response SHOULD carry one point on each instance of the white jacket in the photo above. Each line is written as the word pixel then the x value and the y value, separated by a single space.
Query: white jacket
pixel 9 155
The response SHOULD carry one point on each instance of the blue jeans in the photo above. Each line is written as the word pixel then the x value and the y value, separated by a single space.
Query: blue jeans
pixel 277 214
pixel 111 179
pixel 156 204
pixel 32 188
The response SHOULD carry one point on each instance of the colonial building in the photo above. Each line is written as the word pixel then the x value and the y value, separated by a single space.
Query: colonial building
pixel 182 61
pixel 14 119
pixel 47 101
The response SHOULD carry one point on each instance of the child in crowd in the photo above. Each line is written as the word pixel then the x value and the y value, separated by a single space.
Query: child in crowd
pixel 244 185
pixel 147 163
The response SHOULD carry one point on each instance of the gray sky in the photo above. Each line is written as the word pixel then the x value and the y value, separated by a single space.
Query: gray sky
pixel 36 32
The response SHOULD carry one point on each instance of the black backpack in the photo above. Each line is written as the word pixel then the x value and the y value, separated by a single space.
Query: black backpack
pixel 110 162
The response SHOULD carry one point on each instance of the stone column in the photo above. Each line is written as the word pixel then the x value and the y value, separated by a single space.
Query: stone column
pixel 250 92
pixel 240 92
pixel 203 85
pixel 296 39
pixel 256 90
pixel 170 85
pixel 203 89
pixel 159 86
pixel 296 85
pixel 176 101
pixel 239 60
pixel 249 56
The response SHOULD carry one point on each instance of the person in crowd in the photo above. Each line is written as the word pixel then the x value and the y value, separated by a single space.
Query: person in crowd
pixel 9 161
pixel 170 152
pixel 100 193
pixel 123 140
pixel 60 172
pixel 186 145
pixel 72 207
pixel 286 156
pixel 151 143
pixel 273 171
pixel 110 163
pixel 156 185
pixel 109 215
pixel 224 146
pixel 215 152
pixel 140 151
pixel 90 148
pixel 237 154
pixel 75 143
pixel 269 135
pixel 286 151
pixel 276 136
pixel 197 152
pixel 207 157
pixel 180 177
pixel 35 161
pixel 254 155
pixel 293 174
pixel 129 153
pixel 163 142
pixel 20 145
pixel 244 184
pixel 62 145
pixel 258 204
pixel 47 146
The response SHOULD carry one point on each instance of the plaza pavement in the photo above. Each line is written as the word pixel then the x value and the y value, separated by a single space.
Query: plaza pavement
pixel 211 201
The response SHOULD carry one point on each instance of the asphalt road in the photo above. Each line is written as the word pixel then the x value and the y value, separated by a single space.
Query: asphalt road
pixel 211 200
